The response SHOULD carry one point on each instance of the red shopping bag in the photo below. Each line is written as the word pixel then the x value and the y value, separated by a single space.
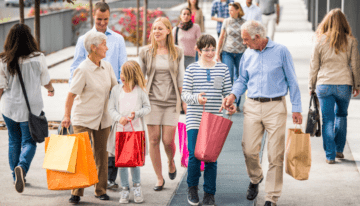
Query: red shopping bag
pixel 212 135
pixel 184 152
pixel 130 148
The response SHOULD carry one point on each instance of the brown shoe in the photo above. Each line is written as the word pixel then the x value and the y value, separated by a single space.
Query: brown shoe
pixel 330 161
pixel 339 155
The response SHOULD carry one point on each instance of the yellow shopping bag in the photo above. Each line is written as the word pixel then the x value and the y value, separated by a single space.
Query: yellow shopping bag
pixel 61 153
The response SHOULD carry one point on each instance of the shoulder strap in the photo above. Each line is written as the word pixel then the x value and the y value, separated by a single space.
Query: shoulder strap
pixel 176 35
pixel 23 86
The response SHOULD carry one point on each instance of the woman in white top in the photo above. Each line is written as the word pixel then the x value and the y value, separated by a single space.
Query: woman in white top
pixel 21 51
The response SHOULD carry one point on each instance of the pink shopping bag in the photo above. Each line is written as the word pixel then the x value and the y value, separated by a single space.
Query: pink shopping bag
pixel 184 152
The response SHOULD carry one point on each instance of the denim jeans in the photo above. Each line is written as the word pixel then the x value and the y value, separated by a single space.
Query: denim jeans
pixel 232 61
pixel 21 145
pixel 194 164
pixel 124 175
pixel 112 170
pixel 334 102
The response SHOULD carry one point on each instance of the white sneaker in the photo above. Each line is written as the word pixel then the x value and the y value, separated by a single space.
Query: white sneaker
pixel 124 195
pixel 138 196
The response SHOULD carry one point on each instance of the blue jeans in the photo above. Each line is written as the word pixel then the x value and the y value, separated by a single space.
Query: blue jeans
pixel 232 61
pixel 124 175
pixel 21 145
pixel 194 164
pixel 334 102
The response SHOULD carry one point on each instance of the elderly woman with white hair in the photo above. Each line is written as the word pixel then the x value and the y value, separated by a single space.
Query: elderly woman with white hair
pixel 88 99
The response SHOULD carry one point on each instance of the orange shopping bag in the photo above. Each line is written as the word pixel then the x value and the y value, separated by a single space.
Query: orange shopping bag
pixel 85 170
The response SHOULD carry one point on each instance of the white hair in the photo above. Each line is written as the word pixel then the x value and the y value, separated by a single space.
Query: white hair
pixel 93 38
pixel 253 28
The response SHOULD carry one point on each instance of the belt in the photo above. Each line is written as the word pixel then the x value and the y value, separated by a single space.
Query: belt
pixel 262 99
pixel 267 14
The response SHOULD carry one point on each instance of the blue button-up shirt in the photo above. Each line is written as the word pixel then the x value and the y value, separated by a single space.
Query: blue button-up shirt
pixel 251 13
pixel 268 73
pixel 221 10
pixel 116 54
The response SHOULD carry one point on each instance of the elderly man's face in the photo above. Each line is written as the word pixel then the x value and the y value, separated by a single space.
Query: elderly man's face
pixel 248 41
pixel 101 20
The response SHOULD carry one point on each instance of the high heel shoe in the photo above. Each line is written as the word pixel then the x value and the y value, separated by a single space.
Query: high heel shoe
pixel 159 188
pixel 173 175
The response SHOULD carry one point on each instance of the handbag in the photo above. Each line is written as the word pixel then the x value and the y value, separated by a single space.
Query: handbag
pixel 313 125
pixel 130 148
pixel 38 125
pixel 176 35
pixel 212 135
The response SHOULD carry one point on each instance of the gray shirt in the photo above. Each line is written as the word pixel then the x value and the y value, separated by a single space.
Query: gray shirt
pixel 267 6
pixel 34 73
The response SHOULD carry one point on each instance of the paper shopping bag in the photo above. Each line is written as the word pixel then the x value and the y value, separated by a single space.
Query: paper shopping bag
pixel 85 170
pixel 212 135
pixel 184 152
pixel 61 153
pixel 298 154
pixel 130 148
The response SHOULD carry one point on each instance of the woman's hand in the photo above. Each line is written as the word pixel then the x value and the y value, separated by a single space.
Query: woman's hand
pixel 184 106
pixel 132 116
pixel 202 100
pixel 356 92
pixel 123 121
pixel 51 92
pixel 66 122
pixel 217 58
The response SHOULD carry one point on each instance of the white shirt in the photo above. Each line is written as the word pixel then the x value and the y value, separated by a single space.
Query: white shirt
pixel 35 74
pixel 252 13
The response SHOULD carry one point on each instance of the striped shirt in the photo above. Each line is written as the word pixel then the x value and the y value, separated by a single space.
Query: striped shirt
pixel 214 82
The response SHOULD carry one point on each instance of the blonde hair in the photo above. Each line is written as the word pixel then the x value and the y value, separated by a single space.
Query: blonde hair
pixel 169 39
pixel 336 28
pixel 237 6
pixel 133 74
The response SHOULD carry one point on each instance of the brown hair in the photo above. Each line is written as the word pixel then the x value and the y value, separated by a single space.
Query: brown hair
pixel 133 74
pixel 205 40
pixel 336 28
pixel 237 6
pixel 102 6
pixel 196 4
pixel 169 39
pixel 19 43
pixel 186 8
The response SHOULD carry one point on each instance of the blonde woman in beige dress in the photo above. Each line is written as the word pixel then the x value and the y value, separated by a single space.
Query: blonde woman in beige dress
pixel 163 66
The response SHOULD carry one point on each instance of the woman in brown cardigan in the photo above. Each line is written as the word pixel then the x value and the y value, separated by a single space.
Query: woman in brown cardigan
pixel 196 14
pixel 163 66
pixel 333 80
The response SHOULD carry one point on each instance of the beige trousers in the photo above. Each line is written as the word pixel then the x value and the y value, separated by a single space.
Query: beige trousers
pixel 98 145
pixel 258 117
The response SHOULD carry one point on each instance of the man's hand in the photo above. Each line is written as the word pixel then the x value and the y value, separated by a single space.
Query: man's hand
pixel 297 118
pixel 202 100
pixel 123 121
pixel 227 102
pixel 132 116
pixel 232 109
pixel 356 92
pixel 66 122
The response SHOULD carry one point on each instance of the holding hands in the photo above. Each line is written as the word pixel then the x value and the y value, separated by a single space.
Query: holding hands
pixel 228 104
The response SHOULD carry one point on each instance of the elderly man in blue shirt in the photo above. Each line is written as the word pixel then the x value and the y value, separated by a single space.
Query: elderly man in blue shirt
pixel 116 55
pixel 267 72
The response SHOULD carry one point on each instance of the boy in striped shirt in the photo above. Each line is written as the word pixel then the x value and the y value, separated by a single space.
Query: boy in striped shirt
pixel 206 82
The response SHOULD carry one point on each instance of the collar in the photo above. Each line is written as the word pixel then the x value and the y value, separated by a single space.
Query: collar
pixel 270 43
pixel 251 6
pixel 107 32
pixel 91 65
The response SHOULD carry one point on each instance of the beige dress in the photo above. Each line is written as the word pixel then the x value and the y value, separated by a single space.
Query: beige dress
pixel 162 94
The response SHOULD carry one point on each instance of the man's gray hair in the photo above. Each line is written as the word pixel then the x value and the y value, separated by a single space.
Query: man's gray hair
pixel 253 28
pixel 93 38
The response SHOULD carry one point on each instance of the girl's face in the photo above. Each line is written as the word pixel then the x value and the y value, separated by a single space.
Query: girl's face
pixel 208 53
pixel 160 31
pixel 234 13
pixel 185 15
pixel 122 78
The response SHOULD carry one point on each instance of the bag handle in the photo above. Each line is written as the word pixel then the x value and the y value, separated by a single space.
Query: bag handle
pixel 61 131
pixel 131 127
pixel 295 129
pixel 176 35
pixel 23 86
pixel 229 116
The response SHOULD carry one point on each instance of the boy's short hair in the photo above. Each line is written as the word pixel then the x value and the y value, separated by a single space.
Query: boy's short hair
pixel 205 40
pixel 102 6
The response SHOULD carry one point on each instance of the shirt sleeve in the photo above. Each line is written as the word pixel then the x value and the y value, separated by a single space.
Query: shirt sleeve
pixel 314 67
pixel 142 64
pixel 187 92
pixel 78 83
pixel 3 79
pixel 198 33
pixel 355 64
pixel 180 77
pixel 291 80
pixel 122 56
pixel 79 56
pixel 44 76
pixel 227 83
pixel 240 85
pixel 223 27
pixel 214 9
pixel 258 15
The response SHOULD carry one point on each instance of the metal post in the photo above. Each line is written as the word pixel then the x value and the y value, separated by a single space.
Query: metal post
pixel 21 8
pixel 91 13
pixel 145 22
pixel 137 25
pixel 37 21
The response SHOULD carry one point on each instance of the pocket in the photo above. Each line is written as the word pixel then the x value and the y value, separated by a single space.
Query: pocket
pixel 322 90
pixel 218 82
pixel 344 91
